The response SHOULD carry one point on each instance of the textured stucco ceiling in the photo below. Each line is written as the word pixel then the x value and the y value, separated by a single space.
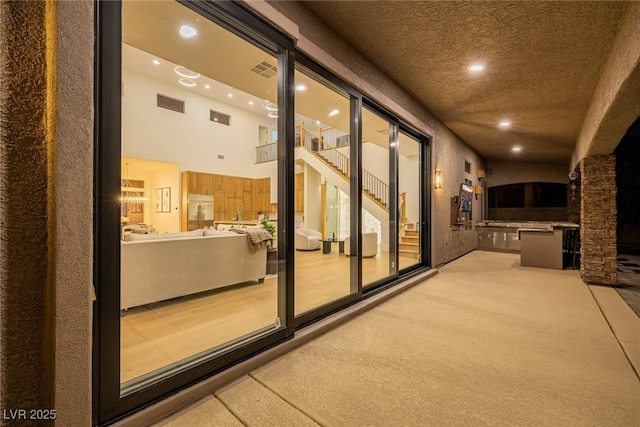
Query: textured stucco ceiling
pixel 542 64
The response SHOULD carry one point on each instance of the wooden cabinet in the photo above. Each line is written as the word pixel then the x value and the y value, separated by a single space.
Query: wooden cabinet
pixel 299 193
pixel 262 191
pixel 231 195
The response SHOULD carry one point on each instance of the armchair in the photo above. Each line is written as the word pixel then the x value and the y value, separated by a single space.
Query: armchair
pixel 307 239
pixel 369 245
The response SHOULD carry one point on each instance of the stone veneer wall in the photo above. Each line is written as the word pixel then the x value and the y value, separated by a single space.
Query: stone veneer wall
pixel 598 220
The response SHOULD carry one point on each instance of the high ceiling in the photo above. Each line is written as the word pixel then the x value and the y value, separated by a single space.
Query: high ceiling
pixel 542 61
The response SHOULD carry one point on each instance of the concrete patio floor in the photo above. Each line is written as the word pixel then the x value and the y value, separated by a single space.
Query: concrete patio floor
pixel 484 342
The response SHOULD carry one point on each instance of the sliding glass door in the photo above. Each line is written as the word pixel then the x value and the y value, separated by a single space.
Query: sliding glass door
pixel 410 243
pixel 379 198
pixel 242 191
pixel 322 193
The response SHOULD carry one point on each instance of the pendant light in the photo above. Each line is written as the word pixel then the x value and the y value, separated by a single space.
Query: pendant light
pixel 131 197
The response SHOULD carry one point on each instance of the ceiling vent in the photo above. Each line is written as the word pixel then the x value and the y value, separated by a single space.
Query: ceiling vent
pixel 264 69
pixel 172 104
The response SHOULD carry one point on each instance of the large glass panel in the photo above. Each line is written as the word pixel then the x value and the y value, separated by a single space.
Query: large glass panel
pixel 409 247
pixel 199 123
pixel 378 253
pixel 322 195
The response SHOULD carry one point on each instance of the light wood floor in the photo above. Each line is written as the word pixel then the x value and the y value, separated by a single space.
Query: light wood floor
pixel 156 335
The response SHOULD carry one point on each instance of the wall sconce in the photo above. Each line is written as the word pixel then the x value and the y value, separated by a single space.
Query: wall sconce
pixel 438 180
pixel 477 189
pixel 481 175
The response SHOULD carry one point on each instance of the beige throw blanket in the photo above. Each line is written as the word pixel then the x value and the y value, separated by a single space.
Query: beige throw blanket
pixel 258 237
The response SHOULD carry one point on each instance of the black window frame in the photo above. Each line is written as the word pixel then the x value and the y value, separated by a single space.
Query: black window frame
pixel 110 402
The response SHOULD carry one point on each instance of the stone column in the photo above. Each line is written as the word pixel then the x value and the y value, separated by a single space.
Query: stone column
pixel 598 220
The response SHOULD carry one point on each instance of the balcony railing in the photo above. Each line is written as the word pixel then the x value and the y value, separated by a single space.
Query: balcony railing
pixel 266 152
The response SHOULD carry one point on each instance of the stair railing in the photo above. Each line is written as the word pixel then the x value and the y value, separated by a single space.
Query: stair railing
pixel 377 188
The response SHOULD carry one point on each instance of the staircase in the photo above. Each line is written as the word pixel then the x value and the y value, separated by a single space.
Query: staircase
pixel 409 242
pixel 372 187
pixel 408 236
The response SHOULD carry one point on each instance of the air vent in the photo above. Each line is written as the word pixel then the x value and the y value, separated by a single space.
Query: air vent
pixel 264 69
pixel 467 167
pixel 218 117
pixel 170 103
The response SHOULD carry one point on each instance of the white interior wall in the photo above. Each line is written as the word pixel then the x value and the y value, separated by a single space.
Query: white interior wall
pixel 191 139
pixel 375 159
pixel 165 222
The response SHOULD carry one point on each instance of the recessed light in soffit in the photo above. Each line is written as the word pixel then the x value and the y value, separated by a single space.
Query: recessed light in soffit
pixel 187 32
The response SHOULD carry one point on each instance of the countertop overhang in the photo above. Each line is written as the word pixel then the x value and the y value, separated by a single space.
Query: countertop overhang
pixel 542 225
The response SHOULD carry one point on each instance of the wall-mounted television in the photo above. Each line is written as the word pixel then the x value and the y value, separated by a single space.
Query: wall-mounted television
pixel 464 200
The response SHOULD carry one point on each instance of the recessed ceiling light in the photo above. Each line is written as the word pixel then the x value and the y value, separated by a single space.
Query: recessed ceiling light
pixel 270 106
pixel 504 124
pixel 207 87
pixel 334 113
pixel 156 62
pixel 250 102
pixel 187 82
pixel 230 95
pixel 476 67
pixel 301 87
pixel 273 114
pixel 516 149
pixel 187 32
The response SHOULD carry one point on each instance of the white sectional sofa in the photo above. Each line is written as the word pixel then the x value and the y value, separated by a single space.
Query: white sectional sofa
pixel 158 267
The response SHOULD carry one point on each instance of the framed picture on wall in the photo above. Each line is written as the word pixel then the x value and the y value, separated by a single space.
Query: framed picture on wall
pixel 158 200
pixel 166 199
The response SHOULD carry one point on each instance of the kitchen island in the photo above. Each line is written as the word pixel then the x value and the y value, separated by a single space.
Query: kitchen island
pixel 540 243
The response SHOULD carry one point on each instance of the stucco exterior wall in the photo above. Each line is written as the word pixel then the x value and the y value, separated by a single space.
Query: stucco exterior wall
pixel 448 151
pixel 24 192
pixel 614 106
pixel 46 186
pixel 72 211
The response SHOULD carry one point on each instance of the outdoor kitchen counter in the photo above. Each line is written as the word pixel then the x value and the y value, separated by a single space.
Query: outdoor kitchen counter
pixel 540 243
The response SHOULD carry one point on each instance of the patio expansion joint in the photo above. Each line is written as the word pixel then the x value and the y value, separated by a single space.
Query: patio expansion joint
pixel 231 411
pixel 606 319
pixel 306 414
